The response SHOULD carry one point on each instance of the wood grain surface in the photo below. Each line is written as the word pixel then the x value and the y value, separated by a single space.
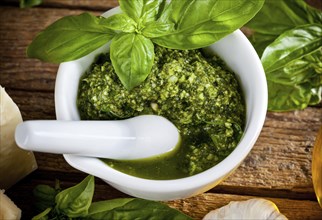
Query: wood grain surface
pixel 278 167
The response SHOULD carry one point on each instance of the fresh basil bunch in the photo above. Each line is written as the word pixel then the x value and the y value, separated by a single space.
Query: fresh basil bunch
pixel 176 24
pixel 76 203
pixel 287 34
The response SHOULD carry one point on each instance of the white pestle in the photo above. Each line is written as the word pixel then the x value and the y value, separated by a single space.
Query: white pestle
pixel 139 137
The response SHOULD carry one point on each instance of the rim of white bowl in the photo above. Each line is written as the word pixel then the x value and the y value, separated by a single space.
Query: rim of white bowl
pixel 230 163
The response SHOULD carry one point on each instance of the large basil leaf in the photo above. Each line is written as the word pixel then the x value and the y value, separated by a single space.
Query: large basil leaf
pixel 291 45
pixel 132 57
pixel 201 23
pixel 70 38
pixel 99 209
pixel 120 22
pixel 29 3
pixel 139 209
pixel 142 11
pixel 75 201
pixel 297 85
pixel 157 29
pixel 275 17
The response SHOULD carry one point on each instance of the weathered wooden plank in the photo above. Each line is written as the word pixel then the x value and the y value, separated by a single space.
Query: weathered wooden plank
pixel 33 105
pixel 281 157
pixel 84 4
pixel 87 4
pixel 103 4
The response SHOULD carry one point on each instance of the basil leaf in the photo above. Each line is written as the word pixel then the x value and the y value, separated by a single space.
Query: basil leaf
pixel 292 44
pixel 132 57
pixel 99 209
pixel 299 71
pixel 297 85
pixel 44 197
pixel 120 22
pixel 142 10
pixel 136 209
pixel 157 29
pixel 75 201
pixel 70 38
pixel 201 23
pixel 29 3
pixel 275 17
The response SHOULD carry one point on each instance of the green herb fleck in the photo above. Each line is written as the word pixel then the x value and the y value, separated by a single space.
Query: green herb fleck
pixel 199 95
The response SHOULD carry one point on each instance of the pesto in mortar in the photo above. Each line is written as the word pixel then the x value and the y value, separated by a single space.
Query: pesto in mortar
pixel 197 93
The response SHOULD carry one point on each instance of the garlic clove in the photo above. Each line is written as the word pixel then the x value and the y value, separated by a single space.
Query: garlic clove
pixel 249 209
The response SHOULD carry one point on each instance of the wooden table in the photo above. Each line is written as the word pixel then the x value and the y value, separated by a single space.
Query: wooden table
pixel 278 168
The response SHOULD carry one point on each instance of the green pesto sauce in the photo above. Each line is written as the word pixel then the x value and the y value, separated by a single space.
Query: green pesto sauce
pixel 196 93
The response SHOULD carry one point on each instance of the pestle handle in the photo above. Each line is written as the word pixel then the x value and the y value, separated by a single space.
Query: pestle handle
pixel 134 138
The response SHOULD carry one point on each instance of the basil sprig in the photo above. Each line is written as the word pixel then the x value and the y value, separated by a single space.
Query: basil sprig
pixel 76 203
pixel 184 24
pixel 288 36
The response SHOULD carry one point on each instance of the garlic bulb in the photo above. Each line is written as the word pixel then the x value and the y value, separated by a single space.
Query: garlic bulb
pixel 8 210
pixel 249 209
pixel 15 163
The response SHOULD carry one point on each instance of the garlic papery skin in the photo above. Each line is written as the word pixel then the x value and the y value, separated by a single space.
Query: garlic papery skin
pixel 259 209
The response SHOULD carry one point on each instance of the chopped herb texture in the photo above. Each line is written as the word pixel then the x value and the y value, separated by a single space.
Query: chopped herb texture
pixel 198 94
